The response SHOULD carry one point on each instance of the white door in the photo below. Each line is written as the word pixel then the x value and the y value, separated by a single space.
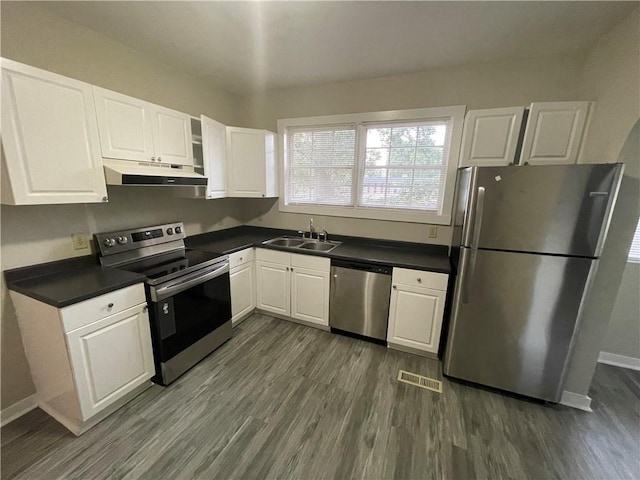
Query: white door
pixel 214 152
pixel 243 298
pixel 310 295
pixel 50 139
pixel 554 133
pixel 110 358
pixel 125 126
pixel 246 162
pixel 490 137
pixel 172 136
pixel 415 317
pixel 273 288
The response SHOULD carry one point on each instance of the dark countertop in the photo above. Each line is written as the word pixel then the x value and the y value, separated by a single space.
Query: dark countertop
pixel 70 281
pixel 418 256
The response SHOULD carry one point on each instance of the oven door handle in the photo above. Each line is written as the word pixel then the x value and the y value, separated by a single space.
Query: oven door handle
pixel 197 278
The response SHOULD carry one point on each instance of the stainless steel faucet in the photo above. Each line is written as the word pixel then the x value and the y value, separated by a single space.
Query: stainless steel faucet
pixel 312 229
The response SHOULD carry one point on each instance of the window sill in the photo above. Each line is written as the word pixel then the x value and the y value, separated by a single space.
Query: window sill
pixel 370 214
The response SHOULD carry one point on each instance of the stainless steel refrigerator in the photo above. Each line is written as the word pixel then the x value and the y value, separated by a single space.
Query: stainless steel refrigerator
pixel 529 239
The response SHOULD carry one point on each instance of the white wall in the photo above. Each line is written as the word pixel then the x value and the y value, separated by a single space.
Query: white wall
pixel 623 333
pixel 484 85
pixel 611 77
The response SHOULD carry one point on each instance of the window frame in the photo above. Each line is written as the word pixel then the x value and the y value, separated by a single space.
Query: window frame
pixel 455 114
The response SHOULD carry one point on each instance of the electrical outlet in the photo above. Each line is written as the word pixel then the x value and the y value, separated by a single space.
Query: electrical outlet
pixel 432 231
pixel 80 241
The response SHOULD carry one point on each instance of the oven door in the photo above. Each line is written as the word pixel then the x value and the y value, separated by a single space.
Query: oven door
pixel 188 309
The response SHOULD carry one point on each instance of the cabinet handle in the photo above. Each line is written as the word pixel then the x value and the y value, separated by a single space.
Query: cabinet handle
pixel 419 280
pixel 110 306
pixel 395 287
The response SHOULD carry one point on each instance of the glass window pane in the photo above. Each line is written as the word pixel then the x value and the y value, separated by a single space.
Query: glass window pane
pixel 404 136
pixel 377 157
pixel 432 135
pixel 378 137
pixel 429 155
pixel 402 156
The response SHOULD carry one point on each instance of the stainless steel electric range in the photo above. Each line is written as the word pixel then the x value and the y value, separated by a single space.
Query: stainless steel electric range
pixel 187 290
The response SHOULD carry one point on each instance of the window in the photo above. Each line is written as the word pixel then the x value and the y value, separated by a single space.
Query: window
pixel 634 251
pixel 387 165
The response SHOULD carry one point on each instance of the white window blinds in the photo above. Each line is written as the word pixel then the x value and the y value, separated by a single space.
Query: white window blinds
pixel 405 165
pixel 321 164
pixel 634 251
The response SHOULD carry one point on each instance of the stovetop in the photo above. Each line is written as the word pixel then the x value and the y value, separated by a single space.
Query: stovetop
pixel 166 266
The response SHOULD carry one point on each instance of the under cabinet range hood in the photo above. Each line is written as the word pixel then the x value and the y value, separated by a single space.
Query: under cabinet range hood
pixel 125 172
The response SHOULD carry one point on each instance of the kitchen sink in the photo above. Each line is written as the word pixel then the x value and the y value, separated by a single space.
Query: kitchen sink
pixel 285 242
pixel 302 244
pixel 319 246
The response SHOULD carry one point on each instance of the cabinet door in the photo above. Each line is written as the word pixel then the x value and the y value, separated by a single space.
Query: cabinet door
pixel 50 139
pixel 490 137
pixel 415 317
pixel 554 133
pixel 310 295
pixel 273 288
pixel 125 126
pixel 110 358
pixel 214 152
pixel 172 136
pixel 246 162
pixel 243 298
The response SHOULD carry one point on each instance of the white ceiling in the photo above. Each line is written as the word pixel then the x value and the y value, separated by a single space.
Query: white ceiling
pixel 248 46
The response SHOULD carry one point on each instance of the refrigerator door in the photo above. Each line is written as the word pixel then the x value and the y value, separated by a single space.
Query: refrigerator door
pixel 556 209
pixel 514 319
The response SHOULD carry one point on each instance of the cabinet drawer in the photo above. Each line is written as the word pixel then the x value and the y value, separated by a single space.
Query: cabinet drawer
pixel 240 258
pixel 89 311
pixel 273 256
pixel 420 278
pixel 311 262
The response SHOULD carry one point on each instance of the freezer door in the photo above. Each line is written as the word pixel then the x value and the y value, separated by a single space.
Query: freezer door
pixel 514 319
pixel 558 209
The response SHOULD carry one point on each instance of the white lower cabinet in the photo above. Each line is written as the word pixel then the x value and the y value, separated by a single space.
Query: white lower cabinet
pixel 90 358
pixel 293 285
pixel 416 310
pixel 243 289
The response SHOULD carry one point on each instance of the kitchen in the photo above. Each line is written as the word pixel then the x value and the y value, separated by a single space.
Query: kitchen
pixel 35 35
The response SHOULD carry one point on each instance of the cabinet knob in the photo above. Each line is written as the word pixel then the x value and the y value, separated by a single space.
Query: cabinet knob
pixel 105 199
pixel 110 306
pixel 263 194
pixel 335 275
pixel 159 159
pixel 419 280
pixel 145 308
pixel 292 269
pixel 153 159
pixel 394 287
pixel 240 258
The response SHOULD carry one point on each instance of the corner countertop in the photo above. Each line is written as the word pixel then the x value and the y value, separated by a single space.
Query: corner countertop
pixel 70 281
pixel 417 256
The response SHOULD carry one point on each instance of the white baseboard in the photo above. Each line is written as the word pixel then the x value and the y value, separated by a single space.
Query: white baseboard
pixel 619 360
pixel 576 400
pixel 18 409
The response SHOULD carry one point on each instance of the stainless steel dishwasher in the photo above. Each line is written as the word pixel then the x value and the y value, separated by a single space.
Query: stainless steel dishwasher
pixel 359 298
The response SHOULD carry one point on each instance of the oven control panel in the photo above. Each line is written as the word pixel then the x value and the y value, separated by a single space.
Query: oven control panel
pixel 127 240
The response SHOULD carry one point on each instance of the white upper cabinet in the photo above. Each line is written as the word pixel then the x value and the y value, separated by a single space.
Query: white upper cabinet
pixel 251 165
pixel 214 156
pixel 554 133
pixel 50 139
pixel 132 129
pixel 490 137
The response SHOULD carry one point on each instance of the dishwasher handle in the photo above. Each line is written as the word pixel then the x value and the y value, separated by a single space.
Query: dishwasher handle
pixel 364 266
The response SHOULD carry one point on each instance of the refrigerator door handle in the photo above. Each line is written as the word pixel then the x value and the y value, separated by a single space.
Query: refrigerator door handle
pixel 477 221
pixel 466 272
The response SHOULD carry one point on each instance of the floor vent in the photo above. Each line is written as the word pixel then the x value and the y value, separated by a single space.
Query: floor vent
pixel 420 381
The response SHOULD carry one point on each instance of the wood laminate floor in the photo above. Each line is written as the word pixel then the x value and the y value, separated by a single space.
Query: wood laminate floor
pixel 281 400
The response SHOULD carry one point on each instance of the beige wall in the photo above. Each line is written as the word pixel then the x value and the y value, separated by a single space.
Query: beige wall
pixel 623 332
pixel 485 85
pixel 36 234
pixel 611 77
